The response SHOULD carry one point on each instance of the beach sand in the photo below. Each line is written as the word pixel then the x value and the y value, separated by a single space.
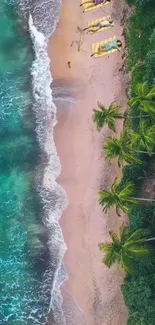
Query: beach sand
pixel 92 289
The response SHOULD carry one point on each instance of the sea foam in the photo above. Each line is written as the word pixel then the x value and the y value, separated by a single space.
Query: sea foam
pixel 53 196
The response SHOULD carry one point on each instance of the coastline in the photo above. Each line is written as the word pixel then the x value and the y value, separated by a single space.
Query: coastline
pixel 95 288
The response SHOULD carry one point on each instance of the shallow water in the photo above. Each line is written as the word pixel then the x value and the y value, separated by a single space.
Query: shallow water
pixel 31 201
pixel 22 235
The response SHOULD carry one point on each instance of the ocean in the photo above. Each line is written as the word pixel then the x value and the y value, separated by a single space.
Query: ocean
pixel 31 201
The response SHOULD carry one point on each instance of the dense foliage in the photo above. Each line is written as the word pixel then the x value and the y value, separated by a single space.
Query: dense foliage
pixel 135 147
pixel 141 2
pixel 141 41
pixel 125 248
pixel 139 287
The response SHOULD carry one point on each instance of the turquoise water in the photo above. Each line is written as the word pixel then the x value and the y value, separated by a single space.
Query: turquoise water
pixel 21 248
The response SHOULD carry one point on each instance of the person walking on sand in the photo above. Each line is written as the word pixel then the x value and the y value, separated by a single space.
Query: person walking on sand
pixel 103 23
pixel 106 47
pixel 94 3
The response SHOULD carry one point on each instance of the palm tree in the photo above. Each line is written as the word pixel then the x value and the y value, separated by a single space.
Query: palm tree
pixel 124 248
pixel 106 116
pixel 120 198
pixel 144 139
pixel 121 148
pixel 144 99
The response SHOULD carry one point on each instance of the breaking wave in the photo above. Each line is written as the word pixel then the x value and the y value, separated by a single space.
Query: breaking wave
pixel 52 194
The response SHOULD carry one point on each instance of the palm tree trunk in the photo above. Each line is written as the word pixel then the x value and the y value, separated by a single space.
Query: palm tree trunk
pixel 150 239
pixel 142 199
pixel 140 151
pixel 132 117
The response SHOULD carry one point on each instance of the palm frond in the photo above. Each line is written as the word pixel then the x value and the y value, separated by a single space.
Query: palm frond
pixel 138 251
pixel 111 123
pixel 136 235
pixel 142 89
pixel 110 259
pixel 125 249
pixel 106 199
pixel 124 206
pixel 105 247
pixel 120 198
pixel 107 116
pixel 143 99
pixel 132 159
pixel 114 238
pixel 133 102
pixel 123 233
pixel 121 149
pixel 148 107
pixel 118 210
pixel 113 105
pixel 130 243
pixel 112 148
pixel 145 138
pixel 115 186
pixel 151 93
pixel 136 140
pixel 98 118
pixel 125 262
pixel 127 191
pixel 101 106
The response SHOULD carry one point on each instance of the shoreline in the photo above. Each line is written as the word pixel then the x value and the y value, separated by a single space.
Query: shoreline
pixel 95 288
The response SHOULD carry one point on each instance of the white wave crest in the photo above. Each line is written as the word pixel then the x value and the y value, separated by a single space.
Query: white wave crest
pixel 52 194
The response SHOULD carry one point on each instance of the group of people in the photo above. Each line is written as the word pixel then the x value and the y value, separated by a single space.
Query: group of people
pixel 106 22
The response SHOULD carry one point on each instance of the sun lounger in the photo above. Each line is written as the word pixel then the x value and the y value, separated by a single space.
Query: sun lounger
pixel 96 21
pixel 95 47
pixel 94 5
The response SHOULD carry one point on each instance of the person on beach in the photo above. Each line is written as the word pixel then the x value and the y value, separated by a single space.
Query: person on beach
pixel 103 23
pixel 94 2
pixel 111 45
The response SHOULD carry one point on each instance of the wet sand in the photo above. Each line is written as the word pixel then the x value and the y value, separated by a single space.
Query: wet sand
pixel 95 288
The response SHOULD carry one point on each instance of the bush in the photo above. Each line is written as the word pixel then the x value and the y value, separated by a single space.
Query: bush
pixel 139 292
pixel 139 2
pixel 142 24
pixel 139 218
pixel 134 173
pixel 150 58
pixel 139 288
pixel 141 42
pixel 139 75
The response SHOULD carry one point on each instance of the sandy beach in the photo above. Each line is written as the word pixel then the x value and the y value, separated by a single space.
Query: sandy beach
pixel 92 288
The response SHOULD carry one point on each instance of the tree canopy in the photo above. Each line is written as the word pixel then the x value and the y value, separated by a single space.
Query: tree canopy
pixel 124 248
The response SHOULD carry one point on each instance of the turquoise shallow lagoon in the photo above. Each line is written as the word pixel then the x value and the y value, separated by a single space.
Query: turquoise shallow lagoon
pixel 21 250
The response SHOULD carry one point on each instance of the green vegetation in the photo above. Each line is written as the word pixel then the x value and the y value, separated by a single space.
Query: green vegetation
pixel 144 138
pixel 120 198
pixel 143 100
pixel 125 248
pixel 134 193
pixel 140 39
pixel 106 116
pixel 139 287
pixel 121 148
